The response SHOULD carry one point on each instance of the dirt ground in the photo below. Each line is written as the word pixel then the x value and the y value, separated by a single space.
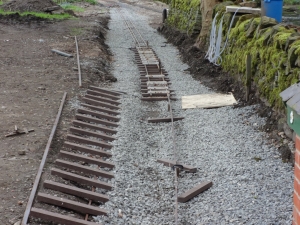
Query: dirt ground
pixel 33 80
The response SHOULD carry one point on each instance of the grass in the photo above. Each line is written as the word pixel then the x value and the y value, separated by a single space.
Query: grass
pixel 291 2
pixel 37 14
pixel 93 2
pixel 76 31
pixel 1 2
pixel 72 7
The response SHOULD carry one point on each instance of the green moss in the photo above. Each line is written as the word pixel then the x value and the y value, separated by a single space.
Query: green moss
pixel 72 7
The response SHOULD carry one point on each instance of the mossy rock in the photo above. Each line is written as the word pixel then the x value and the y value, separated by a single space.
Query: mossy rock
pixel 267 22
pixel 291 39
pixel 252 27
pixel 221 7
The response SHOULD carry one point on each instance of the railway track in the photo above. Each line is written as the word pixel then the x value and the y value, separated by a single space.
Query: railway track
pixel 88 143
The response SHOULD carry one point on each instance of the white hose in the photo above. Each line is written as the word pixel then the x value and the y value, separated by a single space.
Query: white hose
pixel 214 51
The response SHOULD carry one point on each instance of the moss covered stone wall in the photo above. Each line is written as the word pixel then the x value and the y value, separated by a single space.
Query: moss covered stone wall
pixel 275 51
pixel 185 15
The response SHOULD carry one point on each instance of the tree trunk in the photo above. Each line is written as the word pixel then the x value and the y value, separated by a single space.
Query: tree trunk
pixel 206 8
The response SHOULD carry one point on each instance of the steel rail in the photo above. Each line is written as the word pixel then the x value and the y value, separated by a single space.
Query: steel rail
pixel 39 174
pixel 132 29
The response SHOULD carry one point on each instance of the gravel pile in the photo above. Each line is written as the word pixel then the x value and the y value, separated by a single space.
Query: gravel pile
pixel 251 185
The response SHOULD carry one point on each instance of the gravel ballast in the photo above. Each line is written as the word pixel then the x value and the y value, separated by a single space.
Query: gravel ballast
pixel 251 185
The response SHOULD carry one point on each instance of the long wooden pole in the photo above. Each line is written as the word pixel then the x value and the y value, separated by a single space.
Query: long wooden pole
pixel 39 174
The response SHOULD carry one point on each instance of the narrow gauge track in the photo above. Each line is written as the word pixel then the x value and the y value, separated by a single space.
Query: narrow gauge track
pixel 155 87
pixel 86 144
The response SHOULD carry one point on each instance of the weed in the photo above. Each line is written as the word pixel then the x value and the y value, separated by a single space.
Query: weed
pixel 76 31
pixel 72 7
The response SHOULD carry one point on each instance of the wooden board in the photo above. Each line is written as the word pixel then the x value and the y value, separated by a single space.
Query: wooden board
pixel 207 101
pixel 243 10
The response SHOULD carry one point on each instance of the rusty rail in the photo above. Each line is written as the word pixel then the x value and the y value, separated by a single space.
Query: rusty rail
pixel 38 176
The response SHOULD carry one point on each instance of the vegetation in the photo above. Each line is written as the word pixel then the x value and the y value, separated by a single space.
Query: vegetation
pixel 93 2
pixel 74 8
pixel 37 14
pixel 1 2
pixel 291 2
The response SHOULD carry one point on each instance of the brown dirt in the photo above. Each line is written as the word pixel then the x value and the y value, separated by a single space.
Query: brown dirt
pixel 28 5
pixel 33 80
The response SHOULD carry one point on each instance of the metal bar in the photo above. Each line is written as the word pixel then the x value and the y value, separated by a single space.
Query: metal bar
pixel 171 163
pixel 58 218
pixel 186 196
pixel 113 97
pixel 39 173
pixel 85 149
pixel 75 191
pixel 113 102
pixel 167 119
pixel 95 120
pixel 99 115
pixel 97 103
pixel 78 62
pixel 100 109
pixel 86 159
pixel 95 127
pixel 92 134
pixel 62 53
pixel 84 169
pixel 69 204
pixel 89 141
pixel 81 179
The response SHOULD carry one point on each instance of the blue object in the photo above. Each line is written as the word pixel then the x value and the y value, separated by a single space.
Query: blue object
pixel 273 9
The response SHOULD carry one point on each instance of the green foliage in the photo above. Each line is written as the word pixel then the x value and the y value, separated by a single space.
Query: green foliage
pixel 1 2
pixel 74 8
pixel 291 2
pixel 39 15
pixel 92 2
pixel 184 14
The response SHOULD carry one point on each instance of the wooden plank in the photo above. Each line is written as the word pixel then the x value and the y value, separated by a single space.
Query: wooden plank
pixel 93 126
pixel 97 93
pixel 97 98
pixel 92 134
pixel 85 149
pixel 95 120
pixel 84 169
pixel 58 218
pixel 98 103
pixel 116 93
pixel 186 196
pixel 94 196
pixel 89 141
pixel 171 163
pixel 100 109
pixel 161 120
pixel 207 101
pixel 98 115
pixel 69 204
pixel 41 167
pixel 86 159
pixel 157 98
pixel 250 10
pixel 81 179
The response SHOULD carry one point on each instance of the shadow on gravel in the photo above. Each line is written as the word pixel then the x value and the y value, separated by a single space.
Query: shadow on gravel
pixel 213 77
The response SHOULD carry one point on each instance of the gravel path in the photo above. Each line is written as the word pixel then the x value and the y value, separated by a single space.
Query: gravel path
pixel 222 143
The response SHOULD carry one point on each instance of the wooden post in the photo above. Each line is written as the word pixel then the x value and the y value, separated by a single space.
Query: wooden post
pixel 248 76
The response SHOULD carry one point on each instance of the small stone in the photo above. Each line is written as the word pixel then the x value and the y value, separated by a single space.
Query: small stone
pixel 18 223
pixel 21 152
pixel 20 202
pixel 41 88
